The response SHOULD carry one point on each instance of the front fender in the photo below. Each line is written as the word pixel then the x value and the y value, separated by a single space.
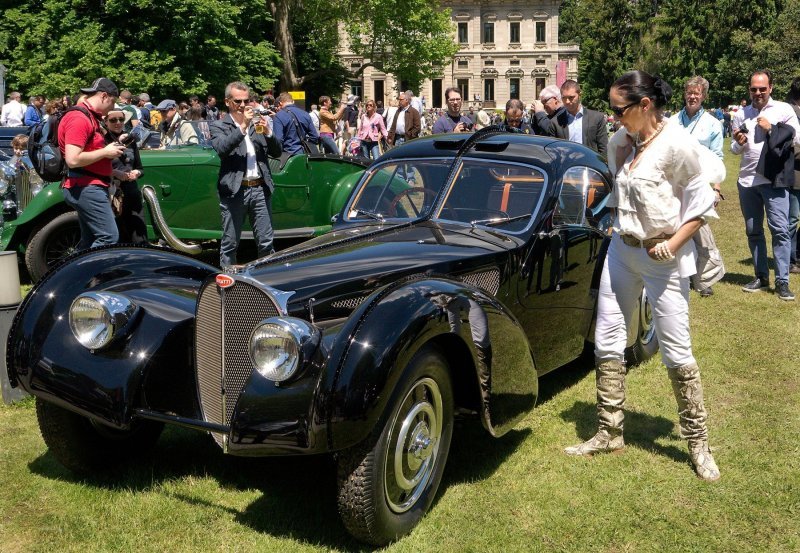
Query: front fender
pixel 150 365
pixel 483 342
pixel 42 208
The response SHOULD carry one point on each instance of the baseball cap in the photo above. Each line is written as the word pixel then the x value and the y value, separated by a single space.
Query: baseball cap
pixel 102 85
pixel 164 105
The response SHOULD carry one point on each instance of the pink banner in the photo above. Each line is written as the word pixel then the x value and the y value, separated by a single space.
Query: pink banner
pixel 561 72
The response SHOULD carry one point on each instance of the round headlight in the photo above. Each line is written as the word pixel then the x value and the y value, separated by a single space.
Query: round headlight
pixel 36 182
pixel 279 346
pixel 95 318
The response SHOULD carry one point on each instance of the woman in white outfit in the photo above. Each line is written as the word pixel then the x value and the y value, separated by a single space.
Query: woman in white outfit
pixel 661 199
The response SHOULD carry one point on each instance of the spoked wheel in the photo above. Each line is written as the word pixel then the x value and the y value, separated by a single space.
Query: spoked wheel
pixel 56 240
pixel 428 195
pixel 387 483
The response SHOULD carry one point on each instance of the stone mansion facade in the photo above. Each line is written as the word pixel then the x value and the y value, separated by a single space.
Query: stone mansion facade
pixel 507 49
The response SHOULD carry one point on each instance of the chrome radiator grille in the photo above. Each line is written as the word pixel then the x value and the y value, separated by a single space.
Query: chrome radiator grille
pixel 225 319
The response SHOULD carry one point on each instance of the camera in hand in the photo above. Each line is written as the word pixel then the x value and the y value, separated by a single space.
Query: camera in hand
pixel 743 128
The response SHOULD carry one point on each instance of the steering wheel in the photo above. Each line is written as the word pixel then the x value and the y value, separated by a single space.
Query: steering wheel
pixel 428 194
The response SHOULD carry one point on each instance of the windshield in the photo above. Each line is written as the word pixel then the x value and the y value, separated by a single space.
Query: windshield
pixel 501 195
pixel 399 190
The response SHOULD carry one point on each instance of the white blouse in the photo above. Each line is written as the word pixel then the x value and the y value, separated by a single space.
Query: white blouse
pixel 668 186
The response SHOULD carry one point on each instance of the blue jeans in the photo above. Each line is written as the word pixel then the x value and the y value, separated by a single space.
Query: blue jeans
pixel 370 149
pixel 98 227
pixel 754 201
pixel 255 201
pixel 794 220
pixel 328 144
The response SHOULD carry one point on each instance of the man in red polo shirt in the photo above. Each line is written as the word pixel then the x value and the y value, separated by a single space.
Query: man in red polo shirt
pixel 88 159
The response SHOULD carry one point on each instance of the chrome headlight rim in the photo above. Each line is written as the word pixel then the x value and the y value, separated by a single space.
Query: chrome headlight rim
pixel 112 314
pixel 301 338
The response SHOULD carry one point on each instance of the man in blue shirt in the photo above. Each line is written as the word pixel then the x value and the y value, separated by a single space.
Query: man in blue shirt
pixel 33 114
pixel 293 127
pixel 452 121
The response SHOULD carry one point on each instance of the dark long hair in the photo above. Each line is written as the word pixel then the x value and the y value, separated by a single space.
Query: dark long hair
pixel 635 85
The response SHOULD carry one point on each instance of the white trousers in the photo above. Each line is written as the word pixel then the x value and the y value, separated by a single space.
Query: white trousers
pixel 626 270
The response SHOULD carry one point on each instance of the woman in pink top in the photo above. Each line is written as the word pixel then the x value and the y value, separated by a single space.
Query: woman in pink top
pixel 371 129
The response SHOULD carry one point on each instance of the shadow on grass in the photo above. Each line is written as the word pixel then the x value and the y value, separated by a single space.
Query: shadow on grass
pixel 641 430
pixel 297 497
pixel 738 279
pixel 564 377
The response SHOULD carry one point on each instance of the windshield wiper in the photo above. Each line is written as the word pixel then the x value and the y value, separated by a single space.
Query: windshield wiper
pixel 498 220
pixel 370 214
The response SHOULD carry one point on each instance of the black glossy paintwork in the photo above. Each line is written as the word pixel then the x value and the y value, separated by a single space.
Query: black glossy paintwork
pixel 380 293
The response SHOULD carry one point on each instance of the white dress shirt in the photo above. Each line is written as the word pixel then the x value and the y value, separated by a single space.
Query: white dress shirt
pixel 665 188
pixel 400 128
pixel 13 114
pixel 775 112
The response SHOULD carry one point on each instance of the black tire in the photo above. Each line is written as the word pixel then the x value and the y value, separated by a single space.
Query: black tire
pixel 646 344
pixel 84 446
pixel 382 496
pixel 55 240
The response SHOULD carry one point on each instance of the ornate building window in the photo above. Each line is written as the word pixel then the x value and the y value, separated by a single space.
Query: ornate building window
pixel 541 34
pixel 463 32
pixel 488 90
pixel 514 32
pixel 488 32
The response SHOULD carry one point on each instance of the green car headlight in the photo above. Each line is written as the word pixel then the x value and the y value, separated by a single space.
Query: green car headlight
pixel 96 317
pixel 279 346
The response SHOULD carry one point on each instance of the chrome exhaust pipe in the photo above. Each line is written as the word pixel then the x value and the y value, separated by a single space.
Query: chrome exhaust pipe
pixel 161 226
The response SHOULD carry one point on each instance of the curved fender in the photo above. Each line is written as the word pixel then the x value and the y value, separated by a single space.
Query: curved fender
pixel 148 364
pixel 399 321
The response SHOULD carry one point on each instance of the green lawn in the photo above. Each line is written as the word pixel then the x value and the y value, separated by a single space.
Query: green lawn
pixel 520 493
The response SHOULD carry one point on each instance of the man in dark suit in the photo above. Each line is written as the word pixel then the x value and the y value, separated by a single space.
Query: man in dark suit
pixel 578 124
pixel 245 183
pixel 406 123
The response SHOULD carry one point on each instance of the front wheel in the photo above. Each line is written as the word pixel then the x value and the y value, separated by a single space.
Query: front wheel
pixel 55 240
pixel 85 446
pixel 387 483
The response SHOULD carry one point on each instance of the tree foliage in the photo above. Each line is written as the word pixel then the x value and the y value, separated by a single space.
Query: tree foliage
pixel 167 47
pixel 722 40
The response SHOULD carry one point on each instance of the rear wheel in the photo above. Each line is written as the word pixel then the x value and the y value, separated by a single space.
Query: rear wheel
pixel 56 240
pixel 646 344
pixel 387 483
pixel 85 446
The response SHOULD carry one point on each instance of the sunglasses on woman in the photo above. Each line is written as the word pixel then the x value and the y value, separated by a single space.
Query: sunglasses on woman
pixel 620 111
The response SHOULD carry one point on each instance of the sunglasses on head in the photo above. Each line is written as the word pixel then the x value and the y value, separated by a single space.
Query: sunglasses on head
pixel 116 119
pixel 620 111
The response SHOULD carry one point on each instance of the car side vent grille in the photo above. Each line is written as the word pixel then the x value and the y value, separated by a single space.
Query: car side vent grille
pixel 225 319
pixel 349 303
pixel 486 280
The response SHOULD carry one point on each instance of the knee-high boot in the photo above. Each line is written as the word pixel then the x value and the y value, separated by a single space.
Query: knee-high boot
pixel 688 390
pixel 610 378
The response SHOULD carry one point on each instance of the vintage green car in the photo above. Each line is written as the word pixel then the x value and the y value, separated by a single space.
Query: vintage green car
pixel 181 201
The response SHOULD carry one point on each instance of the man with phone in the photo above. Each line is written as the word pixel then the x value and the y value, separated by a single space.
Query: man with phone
pixel 452 121
pixel 763 185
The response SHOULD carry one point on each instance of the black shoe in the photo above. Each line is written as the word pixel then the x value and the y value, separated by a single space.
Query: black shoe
pixel 782 289
pixel 794 268
pixel 756 286
pixel 706 292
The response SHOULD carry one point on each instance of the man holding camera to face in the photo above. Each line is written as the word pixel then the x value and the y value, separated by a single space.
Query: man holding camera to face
pixel 452 121
pixel 244 141
pixel 761 131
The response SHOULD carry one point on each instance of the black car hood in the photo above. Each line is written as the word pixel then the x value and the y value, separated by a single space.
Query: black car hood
pixel 354 261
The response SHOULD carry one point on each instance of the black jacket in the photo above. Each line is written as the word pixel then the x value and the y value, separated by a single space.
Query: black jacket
pixel 777 156
pixel 593 127
pixel 228 141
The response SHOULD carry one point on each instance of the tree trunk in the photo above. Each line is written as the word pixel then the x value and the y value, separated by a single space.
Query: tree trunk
pixel 289 79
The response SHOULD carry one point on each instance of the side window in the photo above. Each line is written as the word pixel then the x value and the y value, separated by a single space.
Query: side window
pixel 583 196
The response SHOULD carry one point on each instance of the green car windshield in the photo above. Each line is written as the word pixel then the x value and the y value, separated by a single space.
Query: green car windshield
pixel 486 193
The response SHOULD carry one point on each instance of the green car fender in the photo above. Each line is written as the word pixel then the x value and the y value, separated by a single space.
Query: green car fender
pixel 43 207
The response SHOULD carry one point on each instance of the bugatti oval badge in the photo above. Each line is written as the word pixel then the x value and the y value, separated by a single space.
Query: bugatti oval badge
pixel 225 281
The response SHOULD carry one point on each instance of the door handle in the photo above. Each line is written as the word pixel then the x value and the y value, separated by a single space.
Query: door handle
pixel 166 190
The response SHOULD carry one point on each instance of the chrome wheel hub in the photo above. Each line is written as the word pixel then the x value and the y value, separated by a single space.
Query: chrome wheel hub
pixel 413 446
